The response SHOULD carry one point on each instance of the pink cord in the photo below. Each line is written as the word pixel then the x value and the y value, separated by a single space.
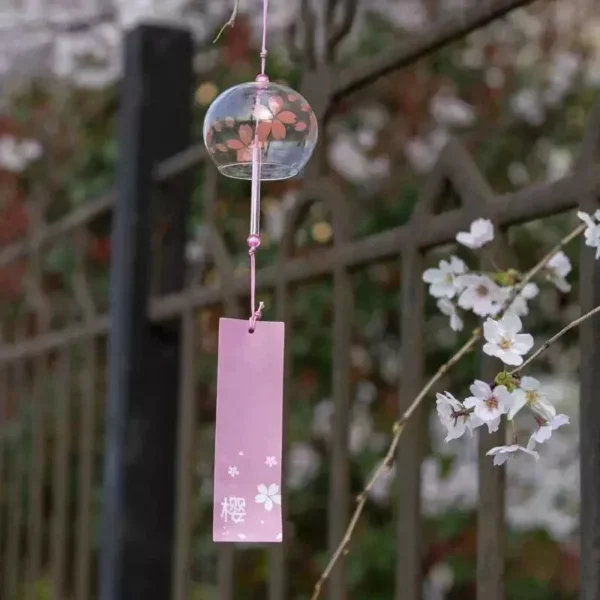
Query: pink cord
pixel 263 52
pixel 254 239
pixel 255 314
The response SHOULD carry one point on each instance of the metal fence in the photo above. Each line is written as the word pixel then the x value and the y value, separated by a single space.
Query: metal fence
pixel 147 423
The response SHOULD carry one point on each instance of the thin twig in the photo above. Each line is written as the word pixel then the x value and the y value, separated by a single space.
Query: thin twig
pixel 231 22
pixel 339 32
pixel 540 265
pixel 399 425
pixel 556 337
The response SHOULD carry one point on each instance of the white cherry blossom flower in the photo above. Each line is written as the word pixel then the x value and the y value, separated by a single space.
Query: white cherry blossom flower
pixel 442 281
pixel 502 453
pixel 592 232
pixel 454 416
pixel 519 304
pixel 530 393
pixel 448 308
pixel 268 495
pixel 558 267
pixel 481 232
pixel 545 429
pixel 270 461
pixel 504 340
pixel 480 294
pixel 233 471
pixel 489 404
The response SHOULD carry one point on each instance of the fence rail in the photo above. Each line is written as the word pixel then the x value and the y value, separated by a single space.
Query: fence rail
pixel 136 408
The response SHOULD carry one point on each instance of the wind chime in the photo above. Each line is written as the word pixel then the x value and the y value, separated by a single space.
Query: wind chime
pixel 259 131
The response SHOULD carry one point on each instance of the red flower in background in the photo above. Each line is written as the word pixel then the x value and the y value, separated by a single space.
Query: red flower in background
pixel 99 250
pixel 11 280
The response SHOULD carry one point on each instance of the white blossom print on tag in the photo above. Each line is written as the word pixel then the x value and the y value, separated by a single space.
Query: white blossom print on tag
pixel 504 341
pixel 268 496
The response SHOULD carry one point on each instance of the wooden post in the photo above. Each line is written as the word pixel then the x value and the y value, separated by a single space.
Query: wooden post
pixel 141 414
pixel 589 340
pixel 589 427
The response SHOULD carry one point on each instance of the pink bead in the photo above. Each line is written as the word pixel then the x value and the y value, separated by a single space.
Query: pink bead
pixel 262 78
pixel 253 242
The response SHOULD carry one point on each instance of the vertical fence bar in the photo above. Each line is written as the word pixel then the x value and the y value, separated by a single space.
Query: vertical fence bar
pixel 491 506
pixel 87 436
pixel 3 453
pixel 141 415
pixel 490 509
pixel 340 468
pixel 62 446
pixel 185 461
pixel 278 580
pixel 339 479
pixel 589 344
pixel 410 448
pixel 12 563
pixel 36 474
pixel 589 428
pixel 226 552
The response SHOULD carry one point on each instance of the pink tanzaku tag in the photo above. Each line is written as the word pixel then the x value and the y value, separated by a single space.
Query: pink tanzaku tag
pixel 249 433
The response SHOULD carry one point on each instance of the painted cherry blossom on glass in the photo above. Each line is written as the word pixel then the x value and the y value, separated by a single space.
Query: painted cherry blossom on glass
pixel 267 119
pixel 247 494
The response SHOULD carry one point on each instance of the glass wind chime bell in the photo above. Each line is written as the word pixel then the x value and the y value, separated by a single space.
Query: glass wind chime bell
pixel 260 131
pixel 264 123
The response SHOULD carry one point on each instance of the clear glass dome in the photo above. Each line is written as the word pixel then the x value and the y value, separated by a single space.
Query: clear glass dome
pixel 269 119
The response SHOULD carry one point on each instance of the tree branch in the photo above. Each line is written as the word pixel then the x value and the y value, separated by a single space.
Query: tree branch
pixel 398 55
pixel 339 32
pixel 556 337
pixel 399 425
pixel 231 22
pixel 309 25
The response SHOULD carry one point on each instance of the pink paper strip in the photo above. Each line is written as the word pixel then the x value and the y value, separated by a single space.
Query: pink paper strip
pixel 249 432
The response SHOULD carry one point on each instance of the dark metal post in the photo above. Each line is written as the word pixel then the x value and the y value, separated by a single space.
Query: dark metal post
pixel 141 414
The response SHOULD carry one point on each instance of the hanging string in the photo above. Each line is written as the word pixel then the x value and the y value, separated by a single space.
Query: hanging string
pixel 263 52
pixel 255 313
pixel 254 238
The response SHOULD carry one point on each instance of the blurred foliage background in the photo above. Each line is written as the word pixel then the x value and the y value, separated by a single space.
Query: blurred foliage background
pixel 517 94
